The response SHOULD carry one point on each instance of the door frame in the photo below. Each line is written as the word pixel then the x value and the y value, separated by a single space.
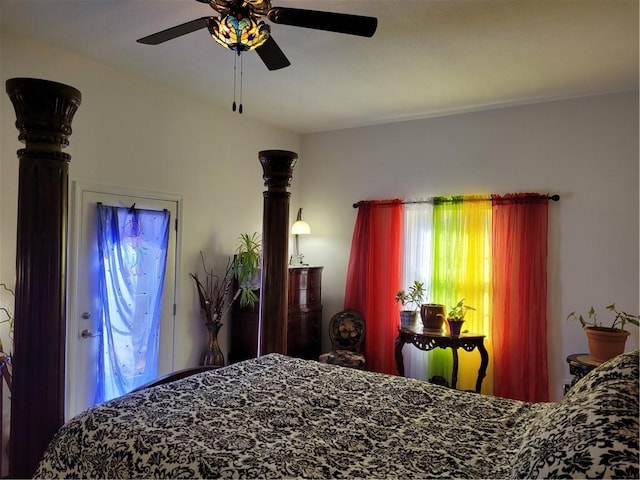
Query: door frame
pixel 79 187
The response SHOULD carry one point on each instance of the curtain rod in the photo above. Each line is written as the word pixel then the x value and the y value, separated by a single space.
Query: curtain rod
pixel 555 197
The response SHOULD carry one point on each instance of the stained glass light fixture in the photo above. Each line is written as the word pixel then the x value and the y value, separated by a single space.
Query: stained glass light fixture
pixel 239 32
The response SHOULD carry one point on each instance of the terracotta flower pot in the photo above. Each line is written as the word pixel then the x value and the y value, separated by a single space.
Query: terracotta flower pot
pixel 605 343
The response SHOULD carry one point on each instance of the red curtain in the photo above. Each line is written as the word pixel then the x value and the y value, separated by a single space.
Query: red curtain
pixel 519 322
pixel 374 275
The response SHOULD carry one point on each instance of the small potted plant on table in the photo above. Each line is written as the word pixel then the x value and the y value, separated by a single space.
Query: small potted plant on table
pixel 414 296
pixel 605 342
pixel 455 319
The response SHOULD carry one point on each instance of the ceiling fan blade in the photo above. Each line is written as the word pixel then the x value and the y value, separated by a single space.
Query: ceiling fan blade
pixel 174 32
pixel 329 21
pixel 272 56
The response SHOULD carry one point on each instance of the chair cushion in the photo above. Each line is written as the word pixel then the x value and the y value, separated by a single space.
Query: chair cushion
pixel 344 358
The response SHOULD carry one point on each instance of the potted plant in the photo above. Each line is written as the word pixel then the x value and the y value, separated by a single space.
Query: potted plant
pixel 246 267
pixel 456 315
pixel 605 342
pixel 414 296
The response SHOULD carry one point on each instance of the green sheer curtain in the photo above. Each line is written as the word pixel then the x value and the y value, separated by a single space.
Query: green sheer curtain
pixel 462 269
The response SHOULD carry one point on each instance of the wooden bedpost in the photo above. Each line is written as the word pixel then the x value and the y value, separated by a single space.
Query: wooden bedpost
pixel 44 111
pixel 272 324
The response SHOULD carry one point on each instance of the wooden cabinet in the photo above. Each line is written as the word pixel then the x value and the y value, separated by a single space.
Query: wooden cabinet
pixel 304 321
pixel 305 312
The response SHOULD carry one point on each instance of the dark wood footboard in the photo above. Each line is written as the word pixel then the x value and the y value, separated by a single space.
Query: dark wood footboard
pixel 177 375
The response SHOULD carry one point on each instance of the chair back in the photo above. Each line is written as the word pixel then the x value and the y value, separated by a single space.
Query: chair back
pixel 346 330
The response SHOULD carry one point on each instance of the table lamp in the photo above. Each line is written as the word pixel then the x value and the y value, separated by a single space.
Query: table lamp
pixel 300 227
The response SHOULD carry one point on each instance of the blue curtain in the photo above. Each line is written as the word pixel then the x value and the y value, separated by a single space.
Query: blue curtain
pixel 132 246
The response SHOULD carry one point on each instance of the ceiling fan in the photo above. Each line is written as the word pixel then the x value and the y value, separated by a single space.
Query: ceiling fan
pixel 240 27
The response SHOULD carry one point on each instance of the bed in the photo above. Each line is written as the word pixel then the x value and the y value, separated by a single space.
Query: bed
pixel 281 417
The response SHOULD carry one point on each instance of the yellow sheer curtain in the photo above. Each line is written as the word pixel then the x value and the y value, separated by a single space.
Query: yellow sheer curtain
pixel 462 269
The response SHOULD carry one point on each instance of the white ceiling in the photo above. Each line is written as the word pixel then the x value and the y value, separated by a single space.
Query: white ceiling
pixel 427 58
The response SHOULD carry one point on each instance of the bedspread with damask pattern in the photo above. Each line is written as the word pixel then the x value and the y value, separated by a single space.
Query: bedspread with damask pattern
pixel 280 417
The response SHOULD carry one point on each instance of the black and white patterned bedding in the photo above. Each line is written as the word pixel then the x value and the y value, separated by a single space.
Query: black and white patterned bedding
pixel 277 417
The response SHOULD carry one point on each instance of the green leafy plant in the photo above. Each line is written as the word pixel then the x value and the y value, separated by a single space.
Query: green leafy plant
pixel 459 311
pixel 620 318
pixel 246 267
pixel 415 295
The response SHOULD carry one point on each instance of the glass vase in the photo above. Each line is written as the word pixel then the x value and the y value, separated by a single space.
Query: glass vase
pixel 213 355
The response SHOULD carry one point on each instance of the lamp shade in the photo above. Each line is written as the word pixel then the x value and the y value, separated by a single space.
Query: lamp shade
pixel 239 33
pixel 300 228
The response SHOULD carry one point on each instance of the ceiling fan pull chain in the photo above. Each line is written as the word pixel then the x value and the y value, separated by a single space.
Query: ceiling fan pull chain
pixel 240 109
pixel 233 106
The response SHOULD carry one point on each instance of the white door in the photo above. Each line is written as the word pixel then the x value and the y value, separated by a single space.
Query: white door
pixel 82 324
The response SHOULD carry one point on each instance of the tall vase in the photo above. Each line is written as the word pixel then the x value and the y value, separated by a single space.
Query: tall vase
pixel 213 355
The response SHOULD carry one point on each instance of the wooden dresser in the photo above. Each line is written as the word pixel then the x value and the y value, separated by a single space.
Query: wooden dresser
pixel 304 323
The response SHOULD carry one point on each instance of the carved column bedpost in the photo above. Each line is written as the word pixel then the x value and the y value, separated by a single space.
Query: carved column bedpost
pixel 44 111
pixel 272 325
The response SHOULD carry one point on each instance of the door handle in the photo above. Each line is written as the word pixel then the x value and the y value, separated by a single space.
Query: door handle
pixel 88 334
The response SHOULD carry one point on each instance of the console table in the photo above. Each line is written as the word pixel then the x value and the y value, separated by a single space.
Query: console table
pixel 428 340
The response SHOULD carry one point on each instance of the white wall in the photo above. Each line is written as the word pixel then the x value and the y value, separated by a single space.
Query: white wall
pixel 584 149
pixel 131 133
